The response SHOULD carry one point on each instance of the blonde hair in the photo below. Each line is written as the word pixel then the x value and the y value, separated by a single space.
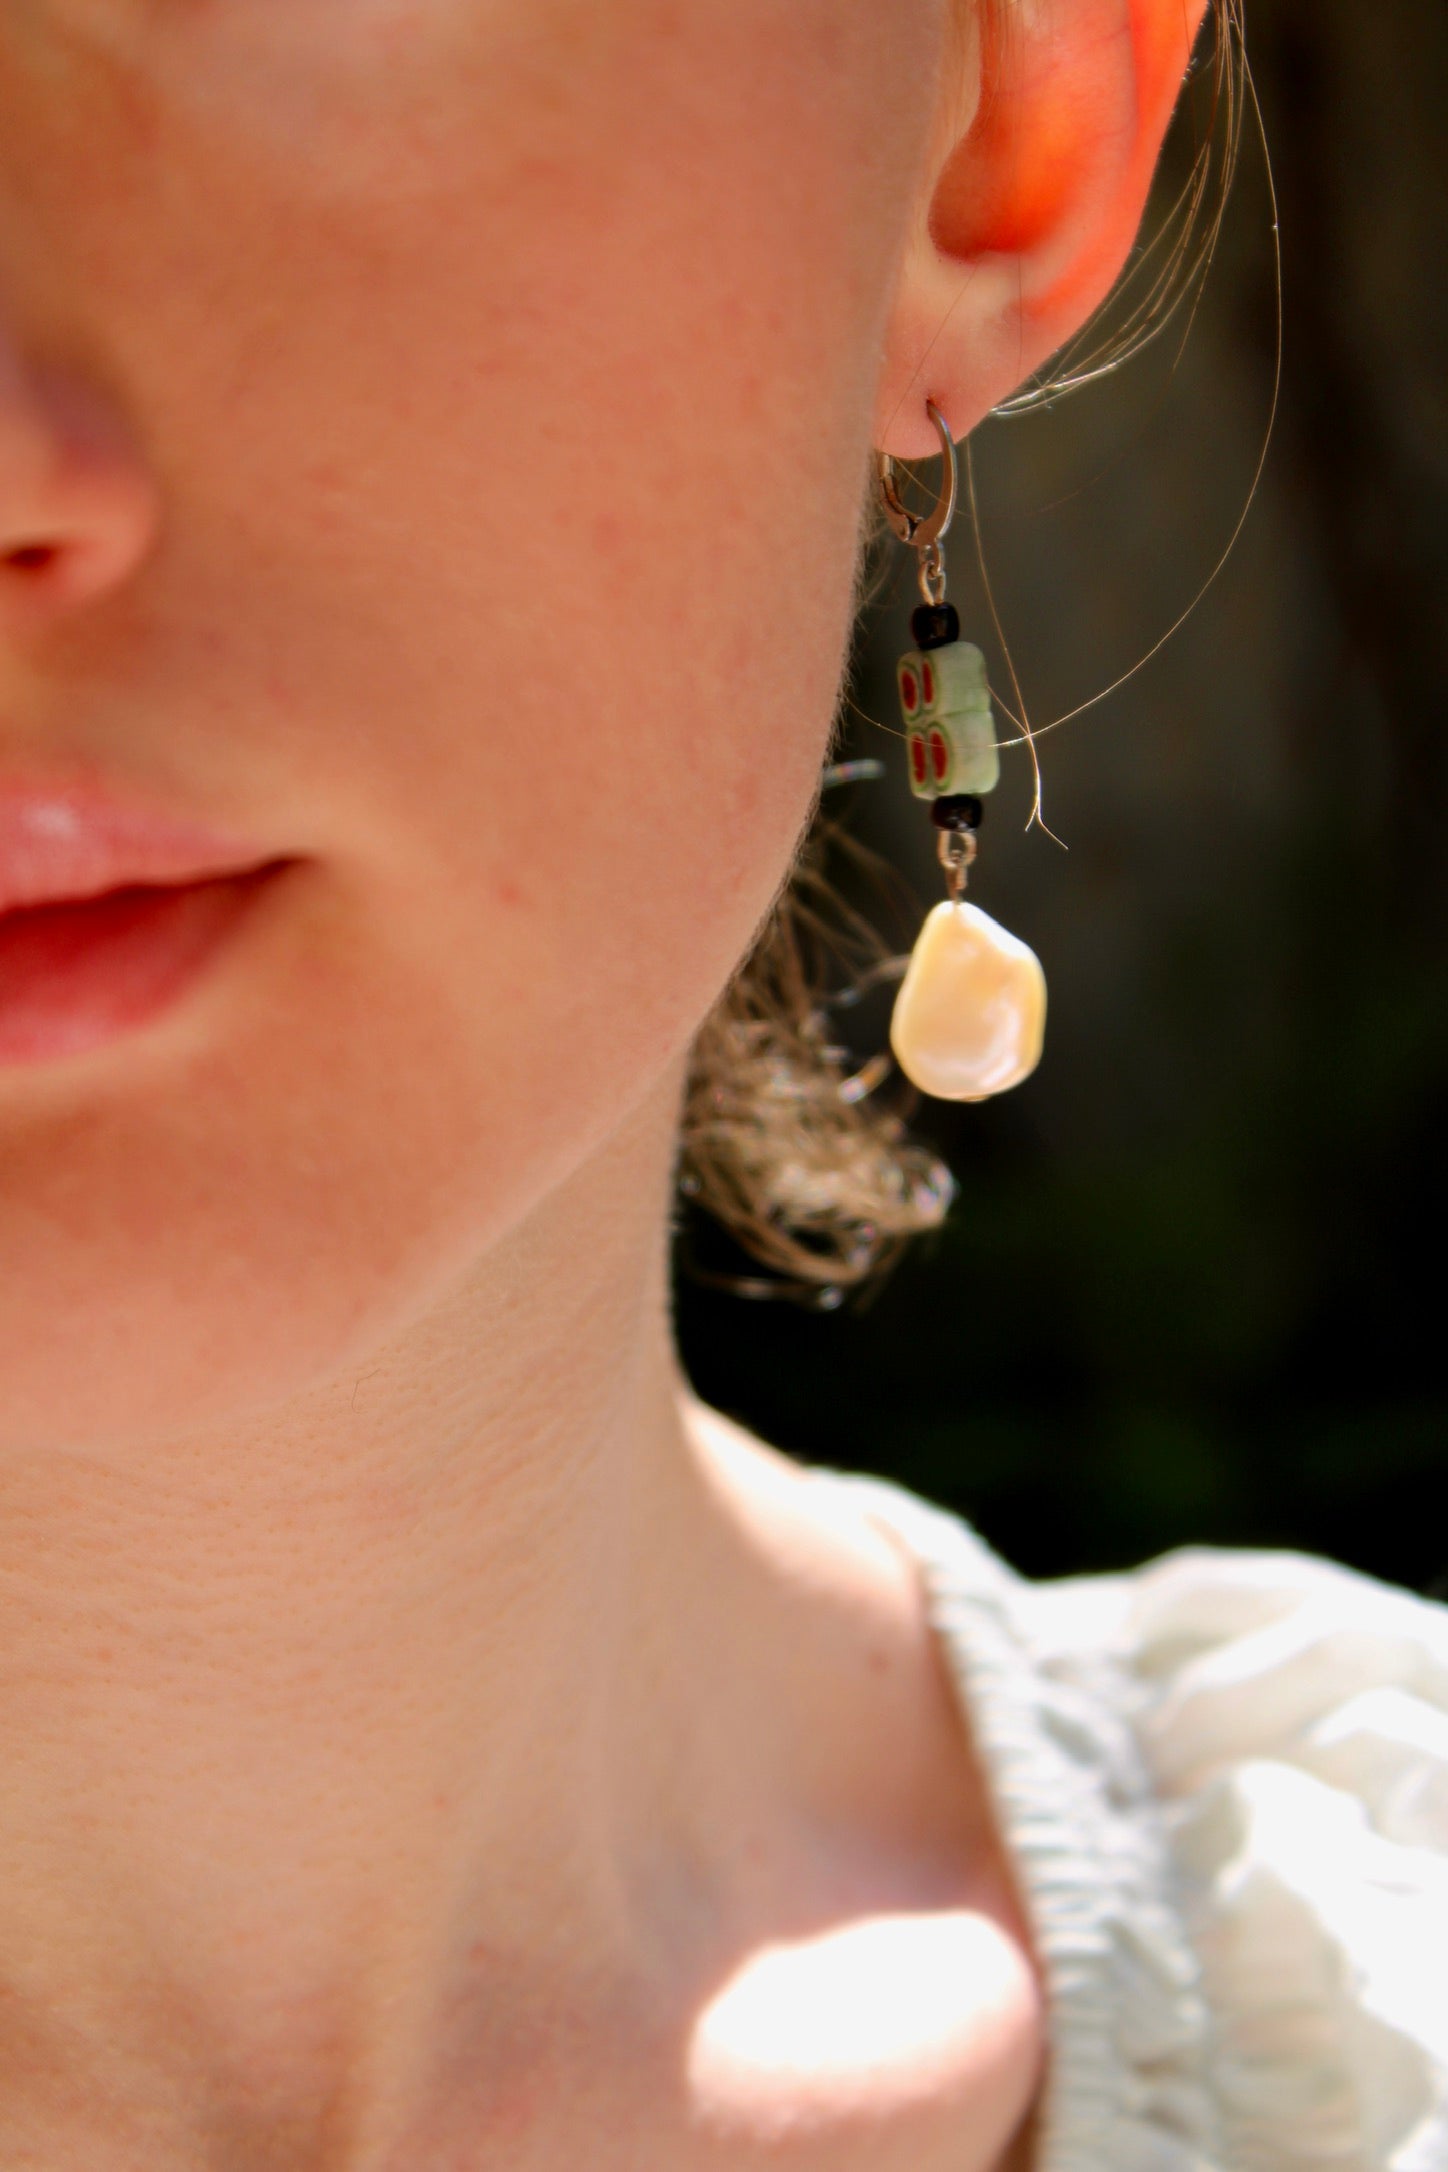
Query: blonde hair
pixel 784 1141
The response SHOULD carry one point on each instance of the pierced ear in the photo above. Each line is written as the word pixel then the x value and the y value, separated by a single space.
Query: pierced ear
pixel 1031 209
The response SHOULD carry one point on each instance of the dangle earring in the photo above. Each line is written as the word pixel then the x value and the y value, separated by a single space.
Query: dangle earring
pixel 971 1012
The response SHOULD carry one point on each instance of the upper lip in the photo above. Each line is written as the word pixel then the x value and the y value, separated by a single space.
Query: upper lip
pixel 68 841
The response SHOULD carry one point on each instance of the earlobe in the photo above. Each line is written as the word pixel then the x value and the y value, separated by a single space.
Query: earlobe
pixel 1031 209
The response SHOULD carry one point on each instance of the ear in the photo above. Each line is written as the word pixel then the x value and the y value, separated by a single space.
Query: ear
pixel 1030 205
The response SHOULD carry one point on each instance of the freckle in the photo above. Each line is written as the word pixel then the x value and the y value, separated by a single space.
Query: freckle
pixel 509 892
pixel 326 475
pixel 606 530
pixel 747 793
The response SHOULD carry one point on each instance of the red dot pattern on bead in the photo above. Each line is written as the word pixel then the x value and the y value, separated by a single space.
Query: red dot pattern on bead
pixel 909 692
pixel 939 756
pixel 917 760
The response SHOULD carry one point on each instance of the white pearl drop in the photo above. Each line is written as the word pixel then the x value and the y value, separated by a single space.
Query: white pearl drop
pixel 970 1017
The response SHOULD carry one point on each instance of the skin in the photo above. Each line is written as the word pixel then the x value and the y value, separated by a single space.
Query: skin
pixel 432 436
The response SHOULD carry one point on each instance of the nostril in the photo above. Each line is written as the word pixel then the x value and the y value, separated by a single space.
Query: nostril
pixel 41 575
pixel 79 505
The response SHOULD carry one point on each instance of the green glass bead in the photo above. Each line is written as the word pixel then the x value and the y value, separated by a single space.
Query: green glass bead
pixel 951 734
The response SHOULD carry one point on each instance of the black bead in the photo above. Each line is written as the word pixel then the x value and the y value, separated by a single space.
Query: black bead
pixel 956 811
pixel 935 625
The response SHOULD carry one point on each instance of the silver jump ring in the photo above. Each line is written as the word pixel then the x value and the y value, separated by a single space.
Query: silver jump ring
pixel 932 573
pixel 957 850
pixel 917 530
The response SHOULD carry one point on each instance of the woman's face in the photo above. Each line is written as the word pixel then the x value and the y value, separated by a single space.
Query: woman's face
pixel 474 396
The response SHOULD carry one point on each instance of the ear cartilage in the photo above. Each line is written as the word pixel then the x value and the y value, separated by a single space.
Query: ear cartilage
pixel 970 1016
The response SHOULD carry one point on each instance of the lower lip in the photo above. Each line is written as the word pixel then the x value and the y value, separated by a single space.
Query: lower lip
pixel 75 976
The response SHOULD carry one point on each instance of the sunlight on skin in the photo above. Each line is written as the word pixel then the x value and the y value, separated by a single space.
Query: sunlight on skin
pixel 876 2017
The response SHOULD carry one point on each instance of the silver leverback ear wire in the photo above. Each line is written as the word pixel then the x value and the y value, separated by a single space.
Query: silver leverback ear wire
pixel 923 532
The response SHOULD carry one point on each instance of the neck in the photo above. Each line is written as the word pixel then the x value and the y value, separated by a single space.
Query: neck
pixel 303 1720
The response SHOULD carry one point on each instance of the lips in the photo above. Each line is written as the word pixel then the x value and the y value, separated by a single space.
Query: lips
pixel 108 913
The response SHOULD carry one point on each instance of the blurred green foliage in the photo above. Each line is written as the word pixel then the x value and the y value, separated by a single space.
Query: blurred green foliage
pixel 1192 1288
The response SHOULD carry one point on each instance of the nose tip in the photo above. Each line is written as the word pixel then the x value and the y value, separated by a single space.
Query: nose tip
pixel 78 508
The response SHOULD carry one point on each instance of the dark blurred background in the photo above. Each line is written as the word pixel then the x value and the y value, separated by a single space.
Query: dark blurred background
pixel 1192 1288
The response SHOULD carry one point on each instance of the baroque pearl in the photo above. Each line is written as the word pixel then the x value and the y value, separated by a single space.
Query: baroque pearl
pixel 971 1013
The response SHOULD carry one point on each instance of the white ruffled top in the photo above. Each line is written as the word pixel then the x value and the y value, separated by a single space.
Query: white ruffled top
pixel 1223 1779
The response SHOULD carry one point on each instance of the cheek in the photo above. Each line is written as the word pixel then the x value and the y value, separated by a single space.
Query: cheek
pixel 501 586
pixel 520 902
pixel 381 1082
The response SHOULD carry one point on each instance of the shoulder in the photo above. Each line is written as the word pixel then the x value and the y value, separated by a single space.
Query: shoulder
pixel 882 2006
pixel 1226 1779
